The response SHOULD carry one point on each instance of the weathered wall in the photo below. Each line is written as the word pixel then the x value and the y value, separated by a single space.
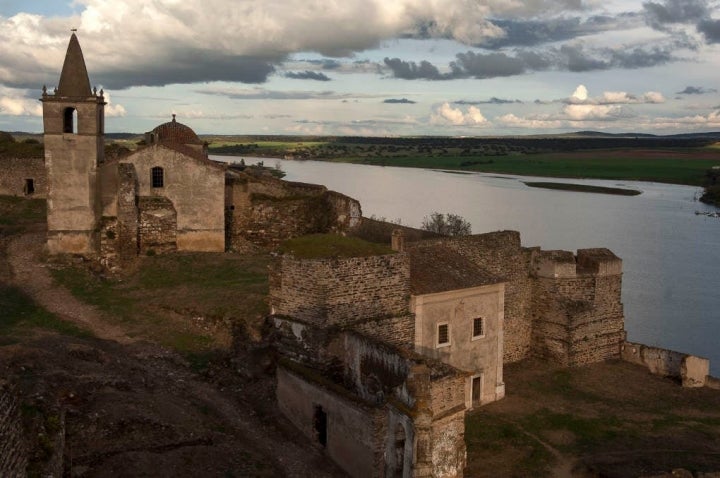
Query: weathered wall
pixel 340 291
pixel 577 308
pixel 458 309
pixel 692 371
pixel 196 189
pixel 14 173
pixel 157 227
pixel 13 449
pixel 501 254
pixel 448 446
pixel 353 428
pixel 267 211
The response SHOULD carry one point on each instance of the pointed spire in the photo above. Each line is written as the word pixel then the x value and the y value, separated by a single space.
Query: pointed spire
pixel 74 80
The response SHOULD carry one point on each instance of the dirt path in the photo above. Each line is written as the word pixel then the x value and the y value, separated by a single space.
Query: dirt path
pixel 33 277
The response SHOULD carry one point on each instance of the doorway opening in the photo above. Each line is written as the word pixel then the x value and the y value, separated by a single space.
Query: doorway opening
pixel 320 425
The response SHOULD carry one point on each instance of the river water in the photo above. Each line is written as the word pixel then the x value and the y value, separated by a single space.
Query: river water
pixel 671 256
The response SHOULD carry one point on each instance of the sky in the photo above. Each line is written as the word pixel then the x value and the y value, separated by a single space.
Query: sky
pixel 374 67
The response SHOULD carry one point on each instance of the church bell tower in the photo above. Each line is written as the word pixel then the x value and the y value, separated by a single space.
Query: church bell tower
pixel 73 121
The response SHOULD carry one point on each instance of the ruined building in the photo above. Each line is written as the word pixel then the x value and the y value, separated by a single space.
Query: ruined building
pixel 381 354
pixel 165 196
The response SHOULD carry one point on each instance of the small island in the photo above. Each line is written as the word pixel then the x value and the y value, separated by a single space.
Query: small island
pixel 583 188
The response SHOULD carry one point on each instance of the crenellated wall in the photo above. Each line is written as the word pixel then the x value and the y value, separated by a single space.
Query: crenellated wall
pixel 577 309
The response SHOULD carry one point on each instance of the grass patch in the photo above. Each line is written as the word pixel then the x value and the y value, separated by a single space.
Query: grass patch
pixel 490 434
pixel 332 245
pixel 19 312
pixel 588 432
pixel 584 188
pixel 187 301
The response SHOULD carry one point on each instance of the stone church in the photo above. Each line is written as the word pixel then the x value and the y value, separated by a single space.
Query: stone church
pixel 166 195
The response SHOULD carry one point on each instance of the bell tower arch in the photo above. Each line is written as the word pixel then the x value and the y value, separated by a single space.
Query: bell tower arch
pixel 73 123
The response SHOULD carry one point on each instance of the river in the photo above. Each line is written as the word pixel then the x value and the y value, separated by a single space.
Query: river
pixel 671 256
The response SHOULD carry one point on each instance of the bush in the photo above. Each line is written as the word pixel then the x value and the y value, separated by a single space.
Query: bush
pixel 447 224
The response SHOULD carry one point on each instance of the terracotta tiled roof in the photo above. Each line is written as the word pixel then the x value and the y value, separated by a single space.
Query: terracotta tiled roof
pixel 435 268
pixel 74 80
pixel 177 133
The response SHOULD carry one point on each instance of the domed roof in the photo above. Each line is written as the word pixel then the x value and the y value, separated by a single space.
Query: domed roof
pixel 174 132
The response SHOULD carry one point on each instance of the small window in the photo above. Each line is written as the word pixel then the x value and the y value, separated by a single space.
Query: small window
pixel 478 328
pixel 158 179
pixel 29 187
pixel 443 336
pixel 320 425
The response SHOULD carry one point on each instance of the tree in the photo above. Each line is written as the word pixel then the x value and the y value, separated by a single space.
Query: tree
pixel 446 224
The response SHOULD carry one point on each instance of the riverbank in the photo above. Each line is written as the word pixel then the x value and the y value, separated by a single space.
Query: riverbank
pixel 594 158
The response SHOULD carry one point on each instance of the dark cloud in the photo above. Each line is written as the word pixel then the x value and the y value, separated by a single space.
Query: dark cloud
pixel 491 101
pixel 696 90
pixel 710 29
pixel 259 93
pixel 401 101
pixel 640 58
pixel 409 70
pixel 307 75
pixel 577 59
pixel 660 14
pixel 188 67
pixel 489 65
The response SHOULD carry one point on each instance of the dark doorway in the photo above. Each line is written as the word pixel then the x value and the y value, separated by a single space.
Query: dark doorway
pixel 399 451
pixel 29 187
pixel 70 120
pixel 476 390
pixel 320 425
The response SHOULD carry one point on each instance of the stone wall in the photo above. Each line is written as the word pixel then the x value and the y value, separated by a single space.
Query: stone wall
pixel 692 371
pixel 13 449
pixel 15 173
pixel 157 225
pixel 341 291
pixel 266 211
pixel 577 309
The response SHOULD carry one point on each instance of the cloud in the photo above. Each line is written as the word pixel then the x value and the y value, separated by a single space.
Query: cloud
pixel 710 29
pixel 491 101
pixel 259 93
pixel 113 110
pixel 581 96
pixel 409 70
pixel 446 114
pixel 531 122
pixel 696 90
pixel 401 101
pixel 660 14
pixel 307 75
pixel 15 102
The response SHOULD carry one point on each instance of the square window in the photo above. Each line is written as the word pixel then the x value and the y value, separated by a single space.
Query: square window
pixel 443 334
pixel 478 327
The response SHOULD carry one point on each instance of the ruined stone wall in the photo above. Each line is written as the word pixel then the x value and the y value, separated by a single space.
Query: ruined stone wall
pixel 447 394
pixel 353 429
pixel 577 308
pixel 13 449
pixel 398 331
pixel 501 254
pixel 341 291
pixel 448 446
pixel 692 371
pixel 157 225
pixel 345 212
pixel 14 173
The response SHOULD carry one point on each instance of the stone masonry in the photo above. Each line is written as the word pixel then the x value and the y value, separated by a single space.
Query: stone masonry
pixel 13 449
pixel 15 174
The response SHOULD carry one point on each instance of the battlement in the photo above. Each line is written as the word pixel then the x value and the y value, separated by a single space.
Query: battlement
pixel 565 265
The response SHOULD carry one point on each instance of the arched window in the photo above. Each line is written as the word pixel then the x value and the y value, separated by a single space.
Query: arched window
pixel 70 120
pixel 399 451
pixel 157 176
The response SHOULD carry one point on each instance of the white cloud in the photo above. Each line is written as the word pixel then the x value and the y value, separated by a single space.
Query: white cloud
pixel 446 114
pixel 580 95
pixel 592 112
pixel 531 122
pixel 14 102
pixel 112 110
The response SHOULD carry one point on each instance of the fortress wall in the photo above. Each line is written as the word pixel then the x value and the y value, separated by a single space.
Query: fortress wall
pixel 398 331
pixel 157 225
pixel 501 254
pixel 346 213
pixel 577 309
pixel 13 449
pixel 691 370
pixel 341 291
pixel 15 171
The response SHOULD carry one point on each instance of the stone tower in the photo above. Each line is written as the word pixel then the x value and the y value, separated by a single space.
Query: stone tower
pixel 73 121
